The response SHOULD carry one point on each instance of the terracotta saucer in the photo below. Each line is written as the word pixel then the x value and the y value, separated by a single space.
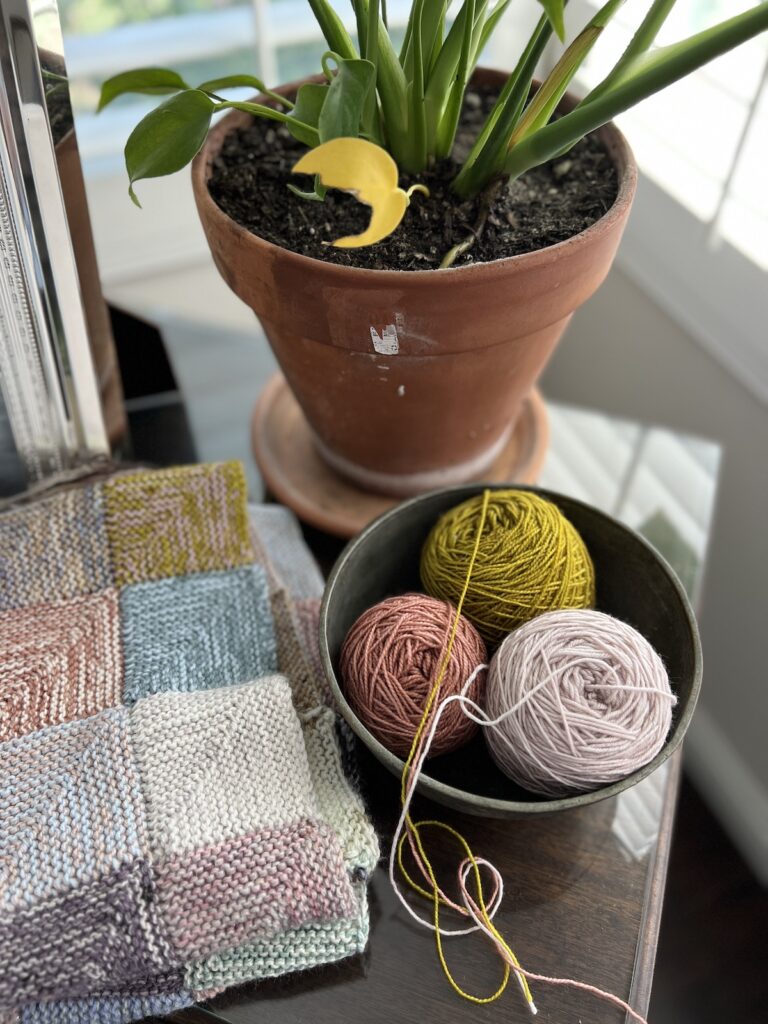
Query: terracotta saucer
pixel 297 476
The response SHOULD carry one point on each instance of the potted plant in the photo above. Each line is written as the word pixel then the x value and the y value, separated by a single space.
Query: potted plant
pixel 410 357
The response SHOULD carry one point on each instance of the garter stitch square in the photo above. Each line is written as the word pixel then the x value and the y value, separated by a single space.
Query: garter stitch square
pixel 59 662
pixel 71 809
pixel 171 522
pixel 77 906
pixel 53 549
pixel 200 755
pixel 116 1009
pixel 253 887
pixel 197 632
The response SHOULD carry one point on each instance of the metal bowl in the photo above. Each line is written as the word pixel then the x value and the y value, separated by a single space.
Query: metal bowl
pixel 634 583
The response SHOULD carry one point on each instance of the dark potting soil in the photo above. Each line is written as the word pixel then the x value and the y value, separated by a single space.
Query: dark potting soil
pixel 546 205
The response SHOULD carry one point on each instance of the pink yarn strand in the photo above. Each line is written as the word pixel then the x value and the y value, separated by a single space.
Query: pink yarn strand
pixel 469 909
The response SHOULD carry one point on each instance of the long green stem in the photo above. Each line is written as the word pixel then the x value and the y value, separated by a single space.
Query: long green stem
pixel 304 132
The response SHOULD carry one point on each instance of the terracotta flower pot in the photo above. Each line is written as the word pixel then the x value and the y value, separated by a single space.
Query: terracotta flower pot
pixel 412 379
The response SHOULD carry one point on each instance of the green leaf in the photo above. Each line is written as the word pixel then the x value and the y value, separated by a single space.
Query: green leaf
pixel 486 157
pixel 641 41
pixel 333 30
pixel 545 102
pixel 488 28
pixel 343 108
pixel 446 131
pixel 150 81
pixel 168 137
pixel 555 11
pixel 309 102
pixel 646 75
pixel 243 82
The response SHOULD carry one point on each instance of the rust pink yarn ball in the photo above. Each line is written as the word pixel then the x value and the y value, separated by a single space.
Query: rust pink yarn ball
pixel 390 660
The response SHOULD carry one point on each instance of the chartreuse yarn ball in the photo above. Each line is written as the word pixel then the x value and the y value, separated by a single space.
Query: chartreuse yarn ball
pixel 530 560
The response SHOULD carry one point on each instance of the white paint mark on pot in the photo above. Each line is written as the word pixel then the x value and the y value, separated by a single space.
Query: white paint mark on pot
pixel 386 343
pixel 401 391
pixel 380 367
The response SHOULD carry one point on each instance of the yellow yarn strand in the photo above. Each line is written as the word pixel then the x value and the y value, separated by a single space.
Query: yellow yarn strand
pixel 414 827
pixel 533 561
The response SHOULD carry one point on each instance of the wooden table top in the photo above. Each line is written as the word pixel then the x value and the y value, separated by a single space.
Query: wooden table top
pixel 583 898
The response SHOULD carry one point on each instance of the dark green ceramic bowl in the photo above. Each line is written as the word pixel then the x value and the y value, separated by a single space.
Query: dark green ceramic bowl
pixel 634 583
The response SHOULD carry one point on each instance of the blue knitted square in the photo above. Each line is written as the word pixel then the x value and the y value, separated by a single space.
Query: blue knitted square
pixel 197 632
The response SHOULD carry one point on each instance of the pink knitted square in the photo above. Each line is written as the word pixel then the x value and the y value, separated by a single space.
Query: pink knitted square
pixel 59 662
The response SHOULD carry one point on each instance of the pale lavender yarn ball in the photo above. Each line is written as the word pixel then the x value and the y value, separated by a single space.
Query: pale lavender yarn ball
pixel 587 702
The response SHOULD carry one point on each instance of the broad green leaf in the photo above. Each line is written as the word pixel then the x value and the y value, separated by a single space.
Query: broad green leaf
pixel 555 11
pixel 309 102
pixel 151 81
pixel 168 137
pixel 243 82
pixel 343 108
pixel 646 75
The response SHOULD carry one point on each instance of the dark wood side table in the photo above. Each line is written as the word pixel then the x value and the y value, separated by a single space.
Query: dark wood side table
pixel 584 889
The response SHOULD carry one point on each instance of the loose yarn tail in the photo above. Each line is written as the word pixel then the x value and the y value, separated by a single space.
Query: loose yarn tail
pixel 475 907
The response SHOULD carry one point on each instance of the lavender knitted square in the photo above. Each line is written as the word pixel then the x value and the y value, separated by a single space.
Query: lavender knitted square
pixel 77 904
pixel 59 662
pixel 101 937
pixel 70 808
pixel 54 549
pixel 197 632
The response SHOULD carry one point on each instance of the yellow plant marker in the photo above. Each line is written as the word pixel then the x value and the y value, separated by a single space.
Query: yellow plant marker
pixel 370 174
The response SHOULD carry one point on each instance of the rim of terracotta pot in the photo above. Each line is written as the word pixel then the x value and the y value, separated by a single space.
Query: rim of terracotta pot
pixel 618 149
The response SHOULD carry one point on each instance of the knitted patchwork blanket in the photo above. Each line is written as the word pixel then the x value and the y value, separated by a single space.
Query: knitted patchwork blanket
pixel 175 815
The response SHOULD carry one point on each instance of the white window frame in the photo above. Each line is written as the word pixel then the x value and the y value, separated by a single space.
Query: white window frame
pixel 717 293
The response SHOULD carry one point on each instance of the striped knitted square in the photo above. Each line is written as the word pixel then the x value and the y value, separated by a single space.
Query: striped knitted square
pixel 59 662
pixel 197 632
pixel 218 764
pixel 53 549
pixel 253 887
pixel 172 522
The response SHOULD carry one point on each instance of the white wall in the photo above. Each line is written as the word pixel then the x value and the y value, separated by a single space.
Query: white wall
pixel 625 355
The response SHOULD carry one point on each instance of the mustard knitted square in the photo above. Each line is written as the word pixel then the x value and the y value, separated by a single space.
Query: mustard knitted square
pixel 172 522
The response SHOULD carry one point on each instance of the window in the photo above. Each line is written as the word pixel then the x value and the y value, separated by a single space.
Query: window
pixel 701 139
